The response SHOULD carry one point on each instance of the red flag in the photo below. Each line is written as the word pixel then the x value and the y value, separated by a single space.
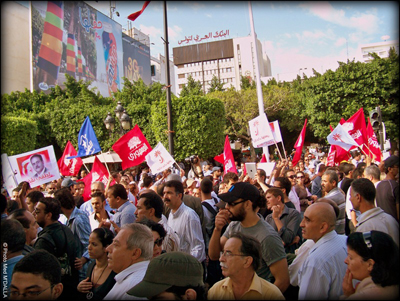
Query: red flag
pixel 373 144
pixel 229 161
pixel 244 171
pixel 132 148
pixel 263 159
pixel 219 158
pixel 69 167
pixel 330 160
pixel 98 173
pixel 135 15
pixel 299 144
pixel 357 129
pixel 341 153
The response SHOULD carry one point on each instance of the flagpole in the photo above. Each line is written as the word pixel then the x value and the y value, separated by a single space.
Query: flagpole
pixel 258 78
pixel 284 150
pixel 86 167
pixel 102 155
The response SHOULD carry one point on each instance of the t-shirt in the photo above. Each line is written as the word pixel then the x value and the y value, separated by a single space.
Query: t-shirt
pixel 271 244
pixel 387 196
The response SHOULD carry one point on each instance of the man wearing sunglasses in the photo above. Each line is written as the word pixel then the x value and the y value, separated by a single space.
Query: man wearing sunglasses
pixel 243 201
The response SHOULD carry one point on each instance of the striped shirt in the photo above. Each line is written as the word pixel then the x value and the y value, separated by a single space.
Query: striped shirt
pixel 337 195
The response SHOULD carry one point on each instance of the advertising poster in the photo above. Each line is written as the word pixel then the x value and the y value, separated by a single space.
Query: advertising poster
pixel 73 38
pixel 36 167
pixel 136 60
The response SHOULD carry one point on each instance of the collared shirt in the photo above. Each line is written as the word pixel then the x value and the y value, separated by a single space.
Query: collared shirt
pixel 260 289
pixel 127 279
pixel 337 195
pixel 291 220
pixel 94 222
pixel 125 214
pixel 88 208
pixel 301 256
pixel 186 223
pixel 79 224
pixel 368 290
pixel 171 241
pixel 377 219
pixel 294 198
pixel 321 275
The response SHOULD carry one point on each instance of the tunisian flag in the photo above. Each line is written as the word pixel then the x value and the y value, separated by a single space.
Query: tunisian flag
pixel 229 161
pixel 299 144
pixel 132 148
pixel 373 143
pixel 135 15
pixel 69 167
pixel 341 154
pixel 98 174
pixel 357 129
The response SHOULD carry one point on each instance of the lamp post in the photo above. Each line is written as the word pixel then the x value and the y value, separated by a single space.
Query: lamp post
pixel 123 117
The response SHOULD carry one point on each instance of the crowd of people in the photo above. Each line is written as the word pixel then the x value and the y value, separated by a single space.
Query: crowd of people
pixel 308 231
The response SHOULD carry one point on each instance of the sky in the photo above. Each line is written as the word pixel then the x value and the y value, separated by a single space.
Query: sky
pixel 295 34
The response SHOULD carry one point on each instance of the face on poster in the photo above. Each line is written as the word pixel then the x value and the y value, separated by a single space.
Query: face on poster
pixel 36 167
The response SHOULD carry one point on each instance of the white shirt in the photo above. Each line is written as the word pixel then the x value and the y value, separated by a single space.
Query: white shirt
pixel 88 208
pixel 171 241
pixel 186 223
pixel 127 279
pixel 94 223
pixel 294 198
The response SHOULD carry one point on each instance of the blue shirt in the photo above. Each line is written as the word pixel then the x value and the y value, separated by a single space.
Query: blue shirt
pixel 125 214
pixel 7 268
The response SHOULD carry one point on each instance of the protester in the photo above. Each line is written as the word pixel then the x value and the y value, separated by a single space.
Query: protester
pixel 302 192
pixel 99 213
pixel 32 199
pixel 285 185
pixel 159 234
pixel 294 198
pixel 129 256
pixel 30 225
pixel 240 212
pixel 37 276
pixel 95 187
pixel 240 259
pixel 172 276
pixel 316 188
pixel 99 276
pixel 373 258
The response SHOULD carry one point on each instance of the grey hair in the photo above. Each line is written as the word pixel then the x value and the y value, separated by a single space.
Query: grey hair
pixel 373 171
pixel 140 237
pixel 102 187
pixel 332 176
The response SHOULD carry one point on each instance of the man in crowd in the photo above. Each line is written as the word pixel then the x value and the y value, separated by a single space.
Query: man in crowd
pixel 37 276
pixel 30 225
pixel 99 213
pixel 240 260
pixel 329 186
pixel 94 187
pixel 129 256
pixel 70 184
pixel 184 221
pixel 32 198
pixel 316 183
pixel 362 195
pixel 242 204
pixel 321 275
pixel 294 198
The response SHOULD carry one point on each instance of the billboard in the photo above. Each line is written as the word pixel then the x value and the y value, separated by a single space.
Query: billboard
pixel 136 60
pixel 73 38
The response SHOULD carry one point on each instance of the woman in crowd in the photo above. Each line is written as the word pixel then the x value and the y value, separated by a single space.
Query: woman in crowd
pixel 302 191
pixel 373 258
pixel 159 234
pixel 100 278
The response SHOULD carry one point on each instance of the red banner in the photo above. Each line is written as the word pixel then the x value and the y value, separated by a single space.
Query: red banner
pixel 330 160
pixel 229 161
pixel 341 154
pixel 299 145
pixel 132 148
pixel 69 167
pixel 373 144
pixel 357 129
pixel 135 15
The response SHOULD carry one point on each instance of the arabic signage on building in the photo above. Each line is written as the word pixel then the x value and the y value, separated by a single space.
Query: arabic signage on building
pixel 210 35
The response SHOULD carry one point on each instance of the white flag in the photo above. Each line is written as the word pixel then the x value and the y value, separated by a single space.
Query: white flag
pixel 260 130
pixel 339 136
pixel 159 159
pixel 276 132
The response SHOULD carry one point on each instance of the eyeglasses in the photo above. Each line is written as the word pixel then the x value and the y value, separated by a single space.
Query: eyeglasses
pixel 234 204
pixel 291 177
pixel 229 254
pixel 301 177
pixel 29 294
pixel 367 239
pixel 158 242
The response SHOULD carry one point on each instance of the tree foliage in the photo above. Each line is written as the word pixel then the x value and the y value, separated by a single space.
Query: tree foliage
pixel 18 135
pixel 192 88
pixel 216 85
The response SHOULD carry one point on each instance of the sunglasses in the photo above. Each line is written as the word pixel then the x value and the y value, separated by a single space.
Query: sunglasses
pixel 301 177
pixel 234 204
pixel 158 242
pixel 291 177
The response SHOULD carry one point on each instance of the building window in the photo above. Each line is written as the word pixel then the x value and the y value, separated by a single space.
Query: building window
pixel 153 70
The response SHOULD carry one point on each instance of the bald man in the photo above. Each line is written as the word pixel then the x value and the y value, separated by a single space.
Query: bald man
pixel 322 273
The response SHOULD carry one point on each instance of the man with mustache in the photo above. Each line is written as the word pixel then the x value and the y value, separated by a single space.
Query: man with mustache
pixel 243 200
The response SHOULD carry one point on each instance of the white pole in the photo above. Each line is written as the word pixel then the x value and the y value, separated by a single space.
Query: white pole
pixel 258 78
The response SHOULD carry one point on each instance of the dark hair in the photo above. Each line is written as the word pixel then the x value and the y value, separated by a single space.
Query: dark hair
pixel 357 173
pixel 362 165
pixel 275 191
pixel 36 155
pixel 115 174
pixel 321 168
pixel 365 188
pixel 105 236
pixel 53 206
pixel 19 215
pixel 230 176
pixel 35 196
pixel 154 226
pixel 285 183
pixel 40 262
pixel 98 194
pixel 160 189
pixel 250 247
pixel 28 186
pixel 180 291
pixel 153 200
pixel 176 184
pixel 12 233
pixel 147 181
pixel 118 190
pixel 288 170
pixel 333 176
pixel 65 197
pixel 3 203
pixel 384 251
pixel 206 186
pixel 347 167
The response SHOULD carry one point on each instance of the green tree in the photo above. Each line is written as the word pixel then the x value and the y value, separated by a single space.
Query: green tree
pixel 247 83
pixel 192 88
pixel 216 85
pixel 18 135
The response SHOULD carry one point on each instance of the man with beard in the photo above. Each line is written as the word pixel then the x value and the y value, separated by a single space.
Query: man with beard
pixel 243 201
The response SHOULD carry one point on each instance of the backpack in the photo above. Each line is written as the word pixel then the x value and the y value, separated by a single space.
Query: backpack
pixel 214 213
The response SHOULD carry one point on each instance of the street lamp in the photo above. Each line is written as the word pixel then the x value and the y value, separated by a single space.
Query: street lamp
pixel 123 117
pixel 125 121
pixel 119 110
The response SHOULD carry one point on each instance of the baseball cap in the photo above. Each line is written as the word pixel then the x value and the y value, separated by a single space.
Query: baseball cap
pixel 173 176
pixel 67 182
pixel 169 269
pixel 241 190
pixel 216 168
pixel 392 161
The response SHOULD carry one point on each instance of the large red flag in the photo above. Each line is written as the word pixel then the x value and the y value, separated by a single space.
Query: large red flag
pixel 229 161
pixel 69 167
pixel 135 15
pixel 132 148
pixel 299 145
pixel 357 129
pixel 98 173
pixel 330 160
pixel 341 153
pixel 373 144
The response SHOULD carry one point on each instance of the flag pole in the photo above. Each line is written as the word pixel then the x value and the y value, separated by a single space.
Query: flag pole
pixel 102 155
pixel 284 150
pixel 86 167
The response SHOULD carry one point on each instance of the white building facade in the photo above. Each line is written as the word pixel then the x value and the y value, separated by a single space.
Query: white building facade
pixel 381 49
